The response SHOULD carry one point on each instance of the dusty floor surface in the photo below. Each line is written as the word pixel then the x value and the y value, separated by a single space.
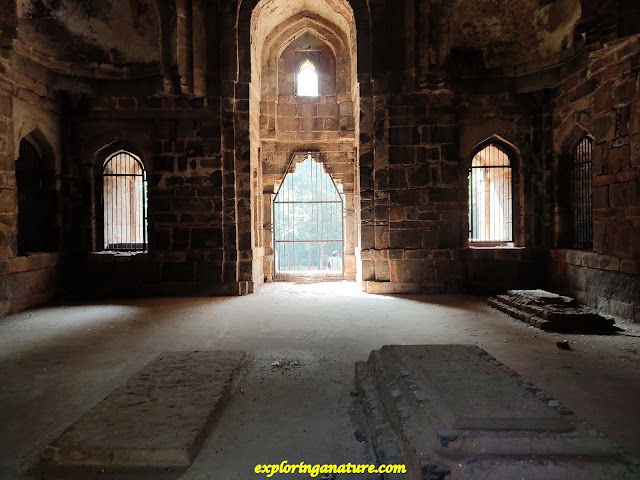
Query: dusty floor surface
pixel 56 363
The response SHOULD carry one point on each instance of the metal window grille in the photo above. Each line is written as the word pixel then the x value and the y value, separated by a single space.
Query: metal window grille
pixel 124 183
pixel 308 219
pixel 32 202
pixel 491 196
pixel 582 188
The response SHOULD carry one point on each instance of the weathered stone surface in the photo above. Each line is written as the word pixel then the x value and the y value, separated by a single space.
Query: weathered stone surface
pixel 158 419
pixel 404 100
pixel 454 411
pixel 549 311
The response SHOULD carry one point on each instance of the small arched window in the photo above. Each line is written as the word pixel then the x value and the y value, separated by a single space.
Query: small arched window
pixel 36 202
pixel 581 193
pixel 124 183
pixel 490 196
pixel 307 79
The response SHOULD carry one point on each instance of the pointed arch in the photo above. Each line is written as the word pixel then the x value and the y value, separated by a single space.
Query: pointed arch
pixel 245 8
pixel 37 218
pixel 124 201
pixel 294 28
pixel 581 192
pixel 40 142
pixel 491 198
pixel 308 219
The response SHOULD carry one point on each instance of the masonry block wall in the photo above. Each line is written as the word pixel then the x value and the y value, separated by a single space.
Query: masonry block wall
pixel 420 234
pixel 28 109
pixel 182 156
pixel 179 119
pixel 291 125
pixel 601 100
pixel 415 205
pixel 409 89
pixel 513 120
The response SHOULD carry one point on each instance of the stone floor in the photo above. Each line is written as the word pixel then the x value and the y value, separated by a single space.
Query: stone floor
pixel 56 363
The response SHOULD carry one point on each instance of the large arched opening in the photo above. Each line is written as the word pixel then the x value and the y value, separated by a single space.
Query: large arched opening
pixel 308 222
pixel 288 41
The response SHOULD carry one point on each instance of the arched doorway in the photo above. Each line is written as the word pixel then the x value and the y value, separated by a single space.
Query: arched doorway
pixel 308 223
pixel 314 41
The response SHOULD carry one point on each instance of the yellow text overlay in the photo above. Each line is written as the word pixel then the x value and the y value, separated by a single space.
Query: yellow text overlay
pixel 315 470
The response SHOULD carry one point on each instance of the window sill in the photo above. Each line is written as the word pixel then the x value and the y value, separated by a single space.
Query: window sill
pixel 307 98
pixel 114 253
pixel 33 254
pixel 494 245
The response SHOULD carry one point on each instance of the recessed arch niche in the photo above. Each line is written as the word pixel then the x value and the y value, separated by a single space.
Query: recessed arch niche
pixel 283 124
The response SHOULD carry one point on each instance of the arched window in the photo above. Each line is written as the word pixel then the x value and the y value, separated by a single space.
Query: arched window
pixel 490 196
pixel 36 202
pixel 125 203
pixel 581 193
pixel 308 225
pixel 307 79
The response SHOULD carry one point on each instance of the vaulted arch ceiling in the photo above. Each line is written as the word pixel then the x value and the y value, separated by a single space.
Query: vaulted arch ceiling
pixel 318 27
pixel 119 33
pixel 512 32
pixel 275 23
pixel 269 14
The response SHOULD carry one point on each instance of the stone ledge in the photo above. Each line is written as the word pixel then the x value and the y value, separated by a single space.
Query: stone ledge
pixel 27 263
pixel 112 257
pixel 593 260
pixel 383 288
pixel 462 253
pixel 498 253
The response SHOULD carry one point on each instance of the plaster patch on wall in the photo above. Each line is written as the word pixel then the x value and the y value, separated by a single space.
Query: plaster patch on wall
pixel 119 32
pixel 514 32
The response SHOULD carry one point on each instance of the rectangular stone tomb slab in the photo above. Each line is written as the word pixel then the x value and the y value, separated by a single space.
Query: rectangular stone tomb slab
pixel 455 412
pixel 157 420
pixel 549 311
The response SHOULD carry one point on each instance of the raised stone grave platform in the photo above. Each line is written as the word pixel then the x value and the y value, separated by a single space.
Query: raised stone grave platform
pixel 454 412
pixel 157 420
pixel 548 311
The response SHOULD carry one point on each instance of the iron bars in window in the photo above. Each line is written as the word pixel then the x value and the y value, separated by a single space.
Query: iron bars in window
pixel 490 196
pixel 125 203
pixel 308 218
pixel 581 193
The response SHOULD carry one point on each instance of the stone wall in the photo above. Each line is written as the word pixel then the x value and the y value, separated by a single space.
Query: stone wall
pixel 28 281
pixel 398 120
pixel 601 100
pixel 181 151
pixel 28 109
pixel 290 125
pixel 8 243
pixel 416 232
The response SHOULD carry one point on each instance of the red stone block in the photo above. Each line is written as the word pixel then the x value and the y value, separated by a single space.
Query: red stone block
pixel 617 159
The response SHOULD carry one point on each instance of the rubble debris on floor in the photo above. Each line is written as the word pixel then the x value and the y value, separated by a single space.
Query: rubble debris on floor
pixel 454 411
pixel 548 311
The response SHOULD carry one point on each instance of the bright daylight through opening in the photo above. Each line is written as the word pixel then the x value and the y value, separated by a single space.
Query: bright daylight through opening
pixel 307 80
pixel 308 223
